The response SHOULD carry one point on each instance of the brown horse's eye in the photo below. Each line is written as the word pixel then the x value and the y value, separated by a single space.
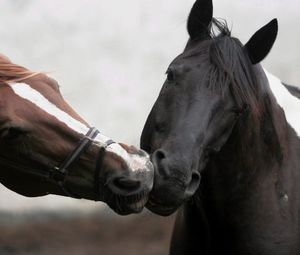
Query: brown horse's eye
pixel 11 134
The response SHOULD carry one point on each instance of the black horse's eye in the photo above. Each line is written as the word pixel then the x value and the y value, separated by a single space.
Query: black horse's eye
pixel 11 134
pixel 159 127
pixel 170 76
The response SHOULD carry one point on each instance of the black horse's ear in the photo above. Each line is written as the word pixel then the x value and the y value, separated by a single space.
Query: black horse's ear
pixel 199 19
pixel 261 42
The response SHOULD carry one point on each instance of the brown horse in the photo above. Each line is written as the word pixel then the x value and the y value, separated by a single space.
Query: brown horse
pixel 47 148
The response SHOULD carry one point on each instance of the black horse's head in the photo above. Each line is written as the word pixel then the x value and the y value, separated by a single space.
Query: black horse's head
pixel 208 87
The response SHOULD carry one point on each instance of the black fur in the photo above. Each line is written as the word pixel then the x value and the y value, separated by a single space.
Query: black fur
pixel 215 117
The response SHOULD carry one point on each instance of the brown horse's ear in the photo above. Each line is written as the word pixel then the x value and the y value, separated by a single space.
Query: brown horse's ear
pixel 199 20
pixel 261 42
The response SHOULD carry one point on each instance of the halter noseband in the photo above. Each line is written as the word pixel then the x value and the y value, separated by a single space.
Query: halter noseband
pixel 58 174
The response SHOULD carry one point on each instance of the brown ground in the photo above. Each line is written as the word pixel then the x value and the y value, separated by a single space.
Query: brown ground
pixel 144 234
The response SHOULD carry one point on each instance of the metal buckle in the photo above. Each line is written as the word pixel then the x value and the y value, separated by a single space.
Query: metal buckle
pixel 57 175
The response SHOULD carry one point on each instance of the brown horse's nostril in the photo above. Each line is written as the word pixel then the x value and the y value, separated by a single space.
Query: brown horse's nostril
pixel 123 185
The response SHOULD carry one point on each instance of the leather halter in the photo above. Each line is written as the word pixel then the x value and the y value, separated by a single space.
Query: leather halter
pixel 58 174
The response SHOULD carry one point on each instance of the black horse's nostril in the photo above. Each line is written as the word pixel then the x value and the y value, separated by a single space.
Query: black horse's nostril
pixel 193 185
pixel 160 155
pixel 159 158
pixel 123 185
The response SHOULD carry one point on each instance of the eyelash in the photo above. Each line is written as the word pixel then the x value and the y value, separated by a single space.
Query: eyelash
pixel 11 134
pixel 170 75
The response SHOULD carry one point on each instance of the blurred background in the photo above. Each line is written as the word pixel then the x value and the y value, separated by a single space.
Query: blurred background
pixel 109 58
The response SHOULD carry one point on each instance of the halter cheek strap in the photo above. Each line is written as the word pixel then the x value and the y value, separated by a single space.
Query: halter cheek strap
pixel 58 174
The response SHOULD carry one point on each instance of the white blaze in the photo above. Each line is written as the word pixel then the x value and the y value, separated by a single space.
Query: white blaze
pixel 289 103
pixel 135 162
pixel 26 92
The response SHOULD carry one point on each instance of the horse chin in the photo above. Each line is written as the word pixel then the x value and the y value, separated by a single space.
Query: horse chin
pixel 138 206
pixel 162 210
pixel 167 196
pixel 126 210
pixel 124 205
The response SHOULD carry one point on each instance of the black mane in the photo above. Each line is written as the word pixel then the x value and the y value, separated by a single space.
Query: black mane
pixel 232 67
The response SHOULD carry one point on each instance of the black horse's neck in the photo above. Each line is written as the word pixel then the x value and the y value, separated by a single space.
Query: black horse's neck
pixel 259 142
pixel 257 146
pixel 253 174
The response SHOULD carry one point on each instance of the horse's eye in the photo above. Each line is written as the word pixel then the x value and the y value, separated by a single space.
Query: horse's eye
pixel 11 134
pixel 159 127
pixel 170 76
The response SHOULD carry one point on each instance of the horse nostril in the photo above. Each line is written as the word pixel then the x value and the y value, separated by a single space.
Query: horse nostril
pixel 159 160
pixel 193 185
pixel 123 184
pixel 160 155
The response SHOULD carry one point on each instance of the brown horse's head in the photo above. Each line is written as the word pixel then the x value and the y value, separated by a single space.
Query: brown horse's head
pixel 47 148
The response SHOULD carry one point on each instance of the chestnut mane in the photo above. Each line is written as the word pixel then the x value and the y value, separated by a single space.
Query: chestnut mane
pixel 10 72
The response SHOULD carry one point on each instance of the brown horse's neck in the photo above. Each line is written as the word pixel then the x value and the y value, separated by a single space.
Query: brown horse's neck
pixel 26 185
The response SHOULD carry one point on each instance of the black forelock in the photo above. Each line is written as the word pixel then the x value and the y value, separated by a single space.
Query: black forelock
pixel 230 65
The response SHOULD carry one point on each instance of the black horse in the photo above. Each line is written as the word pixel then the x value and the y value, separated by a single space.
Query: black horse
pixel 218 118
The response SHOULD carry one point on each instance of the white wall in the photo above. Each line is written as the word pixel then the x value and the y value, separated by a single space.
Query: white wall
pixel 110 56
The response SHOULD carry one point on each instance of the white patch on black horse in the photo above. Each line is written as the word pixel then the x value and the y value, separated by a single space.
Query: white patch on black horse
pixel 289 103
